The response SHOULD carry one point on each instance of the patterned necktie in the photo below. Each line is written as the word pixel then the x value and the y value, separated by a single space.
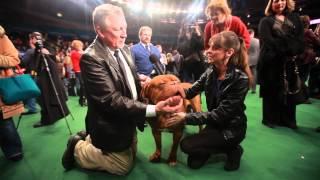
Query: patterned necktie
pixel 121 65
pixel 147 48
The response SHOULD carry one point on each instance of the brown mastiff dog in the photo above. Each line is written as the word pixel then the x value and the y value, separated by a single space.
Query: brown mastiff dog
pixel 160 88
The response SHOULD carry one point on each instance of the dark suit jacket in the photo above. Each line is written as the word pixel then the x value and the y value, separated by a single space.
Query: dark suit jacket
pixel 112 113
pixel 141 58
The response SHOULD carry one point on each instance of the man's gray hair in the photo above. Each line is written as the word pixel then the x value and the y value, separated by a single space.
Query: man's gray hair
pixel 101 12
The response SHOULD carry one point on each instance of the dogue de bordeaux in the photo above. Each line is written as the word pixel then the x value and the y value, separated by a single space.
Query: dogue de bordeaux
pixel 160 88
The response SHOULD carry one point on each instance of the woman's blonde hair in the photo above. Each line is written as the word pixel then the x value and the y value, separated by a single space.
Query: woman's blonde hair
pixel 218 4
pixel 289 7
pixel 227 40
pixel 77 45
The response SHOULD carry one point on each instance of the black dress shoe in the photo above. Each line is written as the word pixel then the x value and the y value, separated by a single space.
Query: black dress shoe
pixel 83 102
pixel 307 102
pixel 16 157
pixel 197 161
pixel 68 157
pixel 292 126
pixel 38 124
pixel 233 159
pixel 268 124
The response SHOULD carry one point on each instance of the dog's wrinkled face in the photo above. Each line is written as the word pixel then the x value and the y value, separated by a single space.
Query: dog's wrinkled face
pixel 160 88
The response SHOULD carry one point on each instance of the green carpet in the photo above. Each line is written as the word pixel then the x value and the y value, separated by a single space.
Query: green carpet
pixel 279 153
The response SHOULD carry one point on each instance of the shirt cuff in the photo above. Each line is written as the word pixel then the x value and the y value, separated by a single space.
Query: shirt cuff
pixel 151 111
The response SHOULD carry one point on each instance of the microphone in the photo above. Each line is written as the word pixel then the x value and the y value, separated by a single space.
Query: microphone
pixel 156 62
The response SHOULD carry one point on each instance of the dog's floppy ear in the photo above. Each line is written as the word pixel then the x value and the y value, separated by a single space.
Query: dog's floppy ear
pixel 145 93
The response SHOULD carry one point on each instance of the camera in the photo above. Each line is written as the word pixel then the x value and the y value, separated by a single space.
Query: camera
pixel 39 42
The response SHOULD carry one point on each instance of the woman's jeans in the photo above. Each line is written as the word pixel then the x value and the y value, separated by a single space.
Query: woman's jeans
pixel 10 141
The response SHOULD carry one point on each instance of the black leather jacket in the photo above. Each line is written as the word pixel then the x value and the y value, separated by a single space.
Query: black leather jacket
pixel 112 114
pixel 225 102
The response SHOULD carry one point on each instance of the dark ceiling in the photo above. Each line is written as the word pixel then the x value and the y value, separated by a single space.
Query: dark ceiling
pixel 41 15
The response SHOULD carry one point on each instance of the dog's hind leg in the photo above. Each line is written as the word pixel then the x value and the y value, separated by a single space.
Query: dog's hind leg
pixel 177 135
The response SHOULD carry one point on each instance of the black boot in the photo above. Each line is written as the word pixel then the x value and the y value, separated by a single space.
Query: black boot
pixel 268 124
pixel 68 157
pixel 83 134
pixel 197 161
pixel 233 159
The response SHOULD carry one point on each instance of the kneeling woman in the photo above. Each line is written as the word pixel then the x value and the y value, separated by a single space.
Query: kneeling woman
pixel 225 86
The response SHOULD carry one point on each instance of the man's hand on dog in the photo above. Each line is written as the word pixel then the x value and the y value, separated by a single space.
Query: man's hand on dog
pixel 175 119
pixel 144 79
pixel 170 105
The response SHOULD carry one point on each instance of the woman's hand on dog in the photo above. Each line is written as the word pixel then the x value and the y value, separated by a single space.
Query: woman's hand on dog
pixel 181 91
pixel 175 119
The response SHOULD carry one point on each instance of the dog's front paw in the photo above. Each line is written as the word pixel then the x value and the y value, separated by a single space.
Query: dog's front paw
pixel 172 160
pixel 172 163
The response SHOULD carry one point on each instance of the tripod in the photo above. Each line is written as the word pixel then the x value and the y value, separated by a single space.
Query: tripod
pixel 53 86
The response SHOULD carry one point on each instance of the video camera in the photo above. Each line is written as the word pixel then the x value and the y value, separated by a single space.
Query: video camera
pixel 39 41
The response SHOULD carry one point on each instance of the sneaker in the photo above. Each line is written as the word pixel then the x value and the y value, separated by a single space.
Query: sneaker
pixel 68 157
pixel 197 161
pixel 233 159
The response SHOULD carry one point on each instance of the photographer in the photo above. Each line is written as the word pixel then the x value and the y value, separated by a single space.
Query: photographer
pixel 27 58
pixel 43 68
pixel 190 45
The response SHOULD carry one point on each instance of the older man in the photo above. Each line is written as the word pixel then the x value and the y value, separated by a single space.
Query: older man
pixel 114 109
pixel 142 51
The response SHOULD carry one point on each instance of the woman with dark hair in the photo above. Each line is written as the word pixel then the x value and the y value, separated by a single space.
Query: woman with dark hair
pixel 281 37
pixel 225 85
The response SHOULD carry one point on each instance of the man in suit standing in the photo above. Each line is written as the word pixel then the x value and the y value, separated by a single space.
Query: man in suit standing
pixel 114 110
pixel 142 51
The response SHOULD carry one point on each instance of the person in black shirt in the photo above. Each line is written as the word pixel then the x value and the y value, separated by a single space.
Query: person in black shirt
pixel 225 85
